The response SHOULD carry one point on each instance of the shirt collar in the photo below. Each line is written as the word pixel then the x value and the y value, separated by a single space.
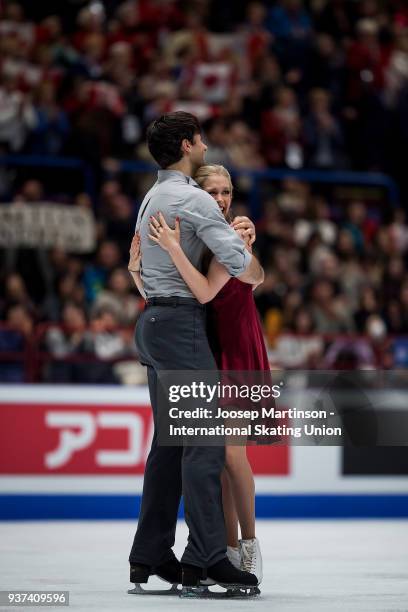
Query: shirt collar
pixel 175 175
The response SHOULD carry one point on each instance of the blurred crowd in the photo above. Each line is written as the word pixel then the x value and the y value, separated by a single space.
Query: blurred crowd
pixel 335 293
pixel 289 84
pixel 318 83
pixel 333 271
pixel 89 296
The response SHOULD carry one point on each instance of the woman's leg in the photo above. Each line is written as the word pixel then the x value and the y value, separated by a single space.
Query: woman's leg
pixel 241 481
pixel 230 515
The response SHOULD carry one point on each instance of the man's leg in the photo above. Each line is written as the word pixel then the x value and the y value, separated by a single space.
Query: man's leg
pixel 156 529
pixel 174 338
pixel 202 468
pixel 201 472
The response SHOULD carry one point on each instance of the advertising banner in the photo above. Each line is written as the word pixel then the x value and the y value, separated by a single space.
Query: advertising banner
pixel 80 452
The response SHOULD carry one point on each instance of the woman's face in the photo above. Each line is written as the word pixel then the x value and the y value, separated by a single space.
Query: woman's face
pixel 218 186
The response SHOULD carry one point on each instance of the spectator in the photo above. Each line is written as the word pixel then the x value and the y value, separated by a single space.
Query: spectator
pixel 120 222
pixel 293 197
pixel 329 314
pixel 393 278
pixel 302 350
pixel 66 342
pixel 404 306
pixel 289 21
pixel 90 22
pixel 281 131
pixel 392 316
pixel 292 301
pixel 398 231
pixel 258 38
pixel 362 352
pixel 327 67
pixel 51 130
pixel 358 224
pixel 216 136
pixel 68 290
pixel 104 344
pixel 19 318
pixel 322 134
pixel 17 116
pixel 318 222
pixel 96 275
pixel 369 306
pixel 118 299
pixel 13 339
pixel 268 296
pixel 15 292
pixel 242 147
pixel 366 60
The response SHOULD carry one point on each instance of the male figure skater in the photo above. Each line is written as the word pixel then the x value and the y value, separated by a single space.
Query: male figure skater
pixel 171 335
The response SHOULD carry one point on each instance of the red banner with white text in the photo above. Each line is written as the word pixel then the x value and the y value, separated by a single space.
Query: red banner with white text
pixel 90 439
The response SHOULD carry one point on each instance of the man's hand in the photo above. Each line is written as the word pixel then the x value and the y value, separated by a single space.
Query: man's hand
pixel 246 229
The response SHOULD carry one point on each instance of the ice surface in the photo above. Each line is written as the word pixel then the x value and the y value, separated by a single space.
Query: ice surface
pixel 308 566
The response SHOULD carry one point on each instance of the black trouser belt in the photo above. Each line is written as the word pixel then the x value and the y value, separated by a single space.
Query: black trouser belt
pixel 172 301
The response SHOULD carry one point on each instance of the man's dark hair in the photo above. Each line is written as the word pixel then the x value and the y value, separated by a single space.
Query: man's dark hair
pixel 165 135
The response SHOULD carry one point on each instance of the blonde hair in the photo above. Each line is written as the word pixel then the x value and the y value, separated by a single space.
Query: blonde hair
pixel 204 173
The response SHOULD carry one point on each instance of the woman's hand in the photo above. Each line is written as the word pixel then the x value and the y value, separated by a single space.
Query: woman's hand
pixel 161 233
pixel 135 254
pixel 245 228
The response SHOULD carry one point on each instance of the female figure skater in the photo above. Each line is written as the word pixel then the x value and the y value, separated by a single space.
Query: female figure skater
pixel 236 339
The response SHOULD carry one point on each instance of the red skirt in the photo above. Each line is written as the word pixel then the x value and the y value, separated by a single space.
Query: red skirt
pixel 236 339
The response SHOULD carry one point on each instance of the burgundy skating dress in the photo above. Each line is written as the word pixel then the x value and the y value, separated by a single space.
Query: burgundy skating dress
pixel 236 339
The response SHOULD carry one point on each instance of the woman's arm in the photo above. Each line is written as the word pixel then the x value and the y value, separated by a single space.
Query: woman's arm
pixel 134 264
pixel 138 282
pixel 204 288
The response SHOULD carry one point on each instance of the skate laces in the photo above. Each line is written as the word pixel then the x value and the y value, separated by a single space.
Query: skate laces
pixel 248 558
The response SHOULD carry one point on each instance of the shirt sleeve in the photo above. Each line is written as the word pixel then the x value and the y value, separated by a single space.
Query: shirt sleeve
pixel 143 207
pixel 204 216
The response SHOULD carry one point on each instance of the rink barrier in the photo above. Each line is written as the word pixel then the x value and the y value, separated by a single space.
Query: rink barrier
pixel 33 356
pixel 126 507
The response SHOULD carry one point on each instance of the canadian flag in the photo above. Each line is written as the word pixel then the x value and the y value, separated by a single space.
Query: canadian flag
pixel 211 82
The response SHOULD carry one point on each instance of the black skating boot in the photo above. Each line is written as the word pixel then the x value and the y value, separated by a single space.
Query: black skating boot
pixel 222 572
pixel 169 571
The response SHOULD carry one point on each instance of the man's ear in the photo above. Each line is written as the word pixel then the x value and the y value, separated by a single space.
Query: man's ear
pixel 186 146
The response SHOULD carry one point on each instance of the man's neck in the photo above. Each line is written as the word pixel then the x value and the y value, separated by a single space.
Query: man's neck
pixel 184 166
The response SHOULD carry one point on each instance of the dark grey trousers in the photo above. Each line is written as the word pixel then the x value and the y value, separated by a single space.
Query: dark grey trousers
pixel 174 338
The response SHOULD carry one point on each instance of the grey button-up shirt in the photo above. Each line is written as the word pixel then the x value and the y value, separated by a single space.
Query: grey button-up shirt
pixel 201 223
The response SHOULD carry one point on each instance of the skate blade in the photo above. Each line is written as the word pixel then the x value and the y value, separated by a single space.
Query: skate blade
pixel 139 590
pixel 207 582
pixel 236 592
